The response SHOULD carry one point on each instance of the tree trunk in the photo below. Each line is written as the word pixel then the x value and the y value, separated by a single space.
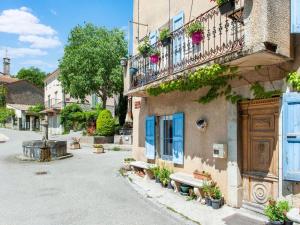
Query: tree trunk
pixel 104 99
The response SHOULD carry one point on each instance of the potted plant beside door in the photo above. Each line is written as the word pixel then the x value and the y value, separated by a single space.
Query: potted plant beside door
pixel 216 198
pixel 276 212
pixel 225 6
pixel 196 31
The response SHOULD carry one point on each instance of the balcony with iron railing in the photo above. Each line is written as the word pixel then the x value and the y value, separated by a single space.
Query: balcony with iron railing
pixel 223 42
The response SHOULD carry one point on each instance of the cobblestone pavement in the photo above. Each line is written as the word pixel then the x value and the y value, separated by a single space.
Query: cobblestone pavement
pixel 83 190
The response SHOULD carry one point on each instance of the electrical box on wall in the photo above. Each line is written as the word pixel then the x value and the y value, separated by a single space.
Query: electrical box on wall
pixel 220 151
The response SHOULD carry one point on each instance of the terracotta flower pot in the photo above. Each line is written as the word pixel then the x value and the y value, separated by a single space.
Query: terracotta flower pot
pixel 154 59
pixel 197 37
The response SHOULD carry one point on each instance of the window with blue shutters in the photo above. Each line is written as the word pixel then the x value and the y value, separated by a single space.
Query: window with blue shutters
pixel 178 138
pixel 150 137
pixel 295 16
pixel 178 41
pixel 166 137
pixel 291 136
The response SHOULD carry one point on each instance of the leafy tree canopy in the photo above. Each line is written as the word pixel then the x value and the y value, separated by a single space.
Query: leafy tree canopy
pixel 91 62
pixel 33 75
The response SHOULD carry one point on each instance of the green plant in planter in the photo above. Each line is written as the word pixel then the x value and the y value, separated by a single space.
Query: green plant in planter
pixel 293 78
pixel 216 193
pixel 155 52
pixel 155 170
pixel 164 176
pixel 144 47
pixel 194 27
pixel 164 34
pixel 220 2
pixel 273 212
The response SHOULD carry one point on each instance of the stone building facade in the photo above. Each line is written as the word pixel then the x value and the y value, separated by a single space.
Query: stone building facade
pixel 21 95
pixel 55 100
pixel 254 34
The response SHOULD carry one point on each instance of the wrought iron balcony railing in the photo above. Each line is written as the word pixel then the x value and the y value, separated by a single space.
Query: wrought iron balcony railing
pixel 223 35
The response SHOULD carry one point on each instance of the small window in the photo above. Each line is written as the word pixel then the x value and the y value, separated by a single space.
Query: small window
pixel 166 137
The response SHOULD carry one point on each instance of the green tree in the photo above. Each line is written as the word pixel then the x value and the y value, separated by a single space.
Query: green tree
pixel 33 75
pixel 3 94
pixel 71 116
pixel 91 62
pixel 5 114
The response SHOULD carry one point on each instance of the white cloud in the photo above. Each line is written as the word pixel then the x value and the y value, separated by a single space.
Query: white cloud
pixel 22 21
pixel 36 62
pixel 22 52
pixel 40 42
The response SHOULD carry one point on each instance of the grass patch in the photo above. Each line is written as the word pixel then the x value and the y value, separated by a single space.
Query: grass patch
pixel 184 216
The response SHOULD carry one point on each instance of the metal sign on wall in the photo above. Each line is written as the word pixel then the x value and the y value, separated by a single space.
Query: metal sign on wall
pixel 295 16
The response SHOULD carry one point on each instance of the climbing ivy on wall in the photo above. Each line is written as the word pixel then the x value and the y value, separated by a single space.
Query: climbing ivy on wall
pixel 259 91
pixel 293 78
pixel 217 78
pixel 3 93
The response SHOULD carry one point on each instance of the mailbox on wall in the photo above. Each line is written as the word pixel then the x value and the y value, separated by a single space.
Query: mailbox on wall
pixel 220 151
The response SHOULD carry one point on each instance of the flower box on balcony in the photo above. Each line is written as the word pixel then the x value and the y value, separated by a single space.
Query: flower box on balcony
pixel 226 6
pixel 165 37
pixel 195 31
pixel 154 57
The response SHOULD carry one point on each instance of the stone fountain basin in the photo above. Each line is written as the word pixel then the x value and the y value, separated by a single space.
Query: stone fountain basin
pixel 32 149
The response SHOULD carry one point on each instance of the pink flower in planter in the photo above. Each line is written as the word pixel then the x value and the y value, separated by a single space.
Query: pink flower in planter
pixel 154 59
pixel 197 37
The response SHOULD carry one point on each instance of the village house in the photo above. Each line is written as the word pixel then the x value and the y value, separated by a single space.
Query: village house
pixel 21 95
pixel 251 148
pixel 55 100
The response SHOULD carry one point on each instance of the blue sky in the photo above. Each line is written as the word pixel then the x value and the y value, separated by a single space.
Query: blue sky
pixel 35 31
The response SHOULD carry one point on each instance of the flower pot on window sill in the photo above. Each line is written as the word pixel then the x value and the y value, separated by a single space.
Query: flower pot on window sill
pixel 154 59
pixel 227 7
pixel 166 42
pixel 197 37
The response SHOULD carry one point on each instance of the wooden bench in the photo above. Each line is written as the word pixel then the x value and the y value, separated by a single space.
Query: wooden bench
pixel 146 167
pixel 182 178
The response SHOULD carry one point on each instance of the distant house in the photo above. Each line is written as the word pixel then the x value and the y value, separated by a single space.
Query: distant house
pixel 21 95
pixel 55 100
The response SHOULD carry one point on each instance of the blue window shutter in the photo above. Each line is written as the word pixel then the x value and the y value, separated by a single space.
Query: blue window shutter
pixel 153 37
pixel 178 138
pixel 291 136
pixel 150 137
pixel 178 21
pixel 295 16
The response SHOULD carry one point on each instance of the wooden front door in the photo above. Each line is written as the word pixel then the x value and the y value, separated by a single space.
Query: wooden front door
pixel 259 142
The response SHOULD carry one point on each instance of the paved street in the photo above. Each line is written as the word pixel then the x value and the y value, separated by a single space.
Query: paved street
pixel 83 190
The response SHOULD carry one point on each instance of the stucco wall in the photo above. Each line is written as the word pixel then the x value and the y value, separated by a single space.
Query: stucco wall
pixel 197 146
pixel 267 21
